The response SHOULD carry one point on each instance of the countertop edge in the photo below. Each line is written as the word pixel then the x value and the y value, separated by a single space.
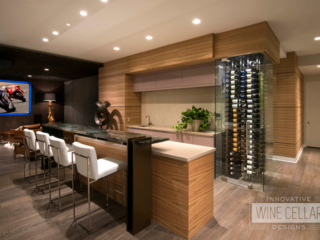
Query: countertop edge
pixel 184 159
pixel 160 129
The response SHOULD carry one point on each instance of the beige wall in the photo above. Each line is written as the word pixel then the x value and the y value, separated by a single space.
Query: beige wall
pixel 309 78
pixel 165 107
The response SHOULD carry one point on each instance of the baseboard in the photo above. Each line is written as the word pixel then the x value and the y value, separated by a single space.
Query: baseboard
pixel 288 159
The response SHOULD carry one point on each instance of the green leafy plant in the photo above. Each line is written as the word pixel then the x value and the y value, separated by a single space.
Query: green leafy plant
pixel 194 114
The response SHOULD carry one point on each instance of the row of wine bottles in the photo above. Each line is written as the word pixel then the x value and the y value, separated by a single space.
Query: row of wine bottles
pixel 244 138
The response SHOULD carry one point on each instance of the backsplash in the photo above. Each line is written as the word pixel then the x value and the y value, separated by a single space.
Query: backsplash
pixel 165 107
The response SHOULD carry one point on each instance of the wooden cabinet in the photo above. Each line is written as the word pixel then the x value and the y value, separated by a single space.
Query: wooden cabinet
pixel 178 137
pixel 196 76
pixel 203 141
pixel 169 80
pixel 199 76
pixel 144 83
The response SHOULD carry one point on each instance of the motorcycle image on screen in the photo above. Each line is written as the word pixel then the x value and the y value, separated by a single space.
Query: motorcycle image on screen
pixel 14 91
pixel 5 101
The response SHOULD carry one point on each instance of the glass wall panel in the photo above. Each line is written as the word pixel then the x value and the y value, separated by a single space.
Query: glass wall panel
pixel 244 119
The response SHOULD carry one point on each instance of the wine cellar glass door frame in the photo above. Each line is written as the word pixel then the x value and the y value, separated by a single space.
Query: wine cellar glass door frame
pixel 240 120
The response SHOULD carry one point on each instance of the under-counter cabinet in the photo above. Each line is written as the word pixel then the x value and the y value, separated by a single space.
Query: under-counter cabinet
pixel 177 137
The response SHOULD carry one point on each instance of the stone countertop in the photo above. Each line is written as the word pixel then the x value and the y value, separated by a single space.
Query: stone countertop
pixel 103 134
pixel 166 129
pixel 180 151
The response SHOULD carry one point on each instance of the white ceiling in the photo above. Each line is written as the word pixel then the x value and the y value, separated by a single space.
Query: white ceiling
pixel 126 23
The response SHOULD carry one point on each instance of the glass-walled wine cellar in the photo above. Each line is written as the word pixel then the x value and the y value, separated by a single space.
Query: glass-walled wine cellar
pixel 244 120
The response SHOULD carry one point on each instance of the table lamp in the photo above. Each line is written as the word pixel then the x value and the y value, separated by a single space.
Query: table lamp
pixel 49 97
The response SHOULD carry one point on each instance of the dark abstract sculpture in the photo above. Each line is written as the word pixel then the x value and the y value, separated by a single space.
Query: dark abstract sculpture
pixel 102 114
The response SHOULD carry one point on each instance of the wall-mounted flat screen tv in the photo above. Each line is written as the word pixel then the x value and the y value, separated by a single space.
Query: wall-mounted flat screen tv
pixel 15 98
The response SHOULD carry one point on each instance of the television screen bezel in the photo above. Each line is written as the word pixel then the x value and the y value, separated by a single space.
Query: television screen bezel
pixel 30 97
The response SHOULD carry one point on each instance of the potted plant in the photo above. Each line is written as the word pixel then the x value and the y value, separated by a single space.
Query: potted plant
pixel 197 117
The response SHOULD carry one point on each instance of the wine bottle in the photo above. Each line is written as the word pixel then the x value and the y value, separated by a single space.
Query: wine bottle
pixel 253 105
pixel 234 72
pixel 251 172
pixel 253 85
pixel 235 100
pixel 235 77
pixel 253 101
pixel 253 110
pixel 253 116
pixel 252 90
pixel 253 75
pixel 252 95
pixel 252 81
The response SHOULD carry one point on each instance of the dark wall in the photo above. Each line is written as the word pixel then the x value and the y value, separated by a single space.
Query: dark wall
pixel 80 97
pixel 40 87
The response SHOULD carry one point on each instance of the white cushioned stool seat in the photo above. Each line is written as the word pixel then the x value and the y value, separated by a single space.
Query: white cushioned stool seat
pixel 44 143
pixel 31 140
pixel 109 165
pixel 99 168
pixel 66 156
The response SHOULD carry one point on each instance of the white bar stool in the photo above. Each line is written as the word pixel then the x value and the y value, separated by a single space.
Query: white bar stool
pixel 63 158
pixel 94 169
pixel 32 146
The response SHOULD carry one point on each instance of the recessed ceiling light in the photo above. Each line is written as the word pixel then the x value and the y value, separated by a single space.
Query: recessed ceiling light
pixel 196 21
pixel 116 48
pixel 104 0
pixel 148 37
pixel 68 24
pixel 46 69
pixel 45 39
pixel 83 13
pixel 318 66
pixel 317 38
pixel 29 75
pixel 55 33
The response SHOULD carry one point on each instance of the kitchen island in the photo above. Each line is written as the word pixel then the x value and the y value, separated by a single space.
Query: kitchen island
pixel 173 180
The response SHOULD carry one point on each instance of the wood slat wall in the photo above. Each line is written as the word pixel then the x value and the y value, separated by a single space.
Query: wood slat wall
pixel 288 107
pixel 251 39
pixel 115 81
pixel 186 53
pixel 182 193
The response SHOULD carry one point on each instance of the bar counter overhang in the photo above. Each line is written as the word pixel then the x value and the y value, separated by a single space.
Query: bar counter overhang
pixel 171 183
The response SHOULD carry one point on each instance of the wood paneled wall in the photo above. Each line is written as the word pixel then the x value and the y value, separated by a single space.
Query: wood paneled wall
pixel 288 107
pixel 115 78
pixel 182 193
pixel 125 104
pixel 251 39
pixel 186 53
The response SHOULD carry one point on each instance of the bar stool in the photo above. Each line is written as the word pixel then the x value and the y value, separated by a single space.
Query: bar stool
pixel 30 144
pixel 46 153
pixel 94 169
pixel 63 158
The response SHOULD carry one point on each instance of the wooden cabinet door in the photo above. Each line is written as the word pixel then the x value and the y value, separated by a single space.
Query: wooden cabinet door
pixel 187 138
pixel 199 76
pixel 203 141
pixel 140 131
pixel 169 80
pixel 144 83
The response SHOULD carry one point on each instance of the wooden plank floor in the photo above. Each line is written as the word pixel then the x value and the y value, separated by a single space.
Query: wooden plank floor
pixel 25 213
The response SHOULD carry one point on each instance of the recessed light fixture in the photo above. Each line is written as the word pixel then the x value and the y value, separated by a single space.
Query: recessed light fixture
pixel 68 24
pixel 55 33
pixel 104 1
pixel 29 75
pixel 196 21
pixel 149 37
pixel 45 39
pixel 46 69
pixel 318 66
pixel 317 38
pixel 83 13
pixel 116 48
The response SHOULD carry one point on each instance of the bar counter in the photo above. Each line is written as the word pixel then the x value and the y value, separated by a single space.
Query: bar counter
pixel 170 183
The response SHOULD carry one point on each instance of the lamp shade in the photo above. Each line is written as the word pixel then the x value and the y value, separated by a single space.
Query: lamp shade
pixel 49 97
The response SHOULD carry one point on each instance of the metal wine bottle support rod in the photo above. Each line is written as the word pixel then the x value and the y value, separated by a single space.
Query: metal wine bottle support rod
pixel 247 131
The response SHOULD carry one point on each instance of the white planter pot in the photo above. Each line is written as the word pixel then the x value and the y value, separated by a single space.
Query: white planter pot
pixel 196 125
